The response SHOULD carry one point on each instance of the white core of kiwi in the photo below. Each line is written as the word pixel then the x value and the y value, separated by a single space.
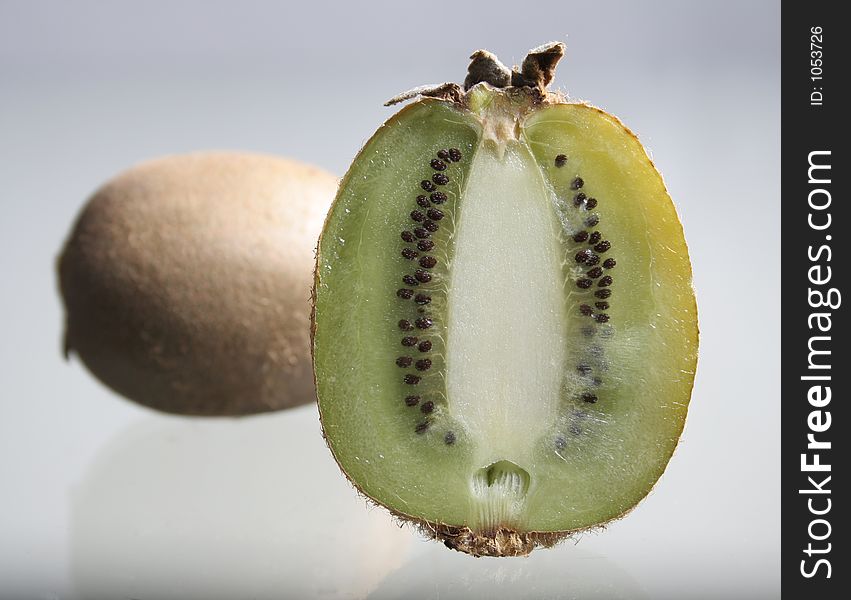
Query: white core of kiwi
pixel 506 322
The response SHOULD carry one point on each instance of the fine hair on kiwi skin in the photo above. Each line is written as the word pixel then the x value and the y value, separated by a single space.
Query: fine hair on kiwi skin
pixel 186 282
pixel 530 244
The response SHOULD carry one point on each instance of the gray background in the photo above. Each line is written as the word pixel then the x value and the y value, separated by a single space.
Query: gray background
pixel 100 498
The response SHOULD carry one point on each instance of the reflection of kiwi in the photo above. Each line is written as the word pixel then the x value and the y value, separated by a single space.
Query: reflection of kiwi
pixel 187 281
pixel 505 332
pixel 566 573
pixel 171 510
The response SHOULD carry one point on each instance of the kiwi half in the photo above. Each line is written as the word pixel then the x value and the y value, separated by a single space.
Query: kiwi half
pixel 504 331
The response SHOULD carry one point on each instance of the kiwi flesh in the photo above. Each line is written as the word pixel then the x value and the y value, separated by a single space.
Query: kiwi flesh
pixel 186 282
pixel 505 330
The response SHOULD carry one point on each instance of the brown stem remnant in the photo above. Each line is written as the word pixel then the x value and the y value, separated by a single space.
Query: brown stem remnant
pixel 536 72
pixel 444 91
pixel 486 67
pixel 539 66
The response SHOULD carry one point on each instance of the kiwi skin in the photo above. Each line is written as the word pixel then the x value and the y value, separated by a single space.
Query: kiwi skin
pixel 186 282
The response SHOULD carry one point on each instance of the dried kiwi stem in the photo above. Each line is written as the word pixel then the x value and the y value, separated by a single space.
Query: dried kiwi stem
pixel 539 66
pixel 536 72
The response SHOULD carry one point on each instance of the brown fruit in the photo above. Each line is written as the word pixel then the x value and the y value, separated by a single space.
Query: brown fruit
pixel 187 280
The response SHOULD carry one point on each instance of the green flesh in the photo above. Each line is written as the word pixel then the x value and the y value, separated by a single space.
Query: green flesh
pixel 512 355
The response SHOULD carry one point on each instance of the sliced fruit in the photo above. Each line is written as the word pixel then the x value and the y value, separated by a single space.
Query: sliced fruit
pixel 505 332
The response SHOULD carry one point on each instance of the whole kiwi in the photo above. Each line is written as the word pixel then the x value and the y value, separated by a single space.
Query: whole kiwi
pixel 187 279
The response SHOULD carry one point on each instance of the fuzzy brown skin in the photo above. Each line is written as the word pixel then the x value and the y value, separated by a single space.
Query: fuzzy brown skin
pixel 499 543
pixel 187 280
